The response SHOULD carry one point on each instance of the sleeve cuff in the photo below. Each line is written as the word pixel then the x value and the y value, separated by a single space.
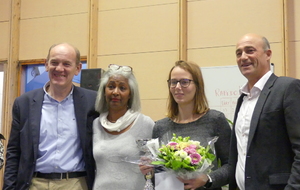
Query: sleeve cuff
pixel 208 183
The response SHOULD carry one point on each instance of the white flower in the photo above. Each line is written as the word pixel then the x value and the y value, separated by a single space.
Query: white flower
pixel 197 143
pixel 181 153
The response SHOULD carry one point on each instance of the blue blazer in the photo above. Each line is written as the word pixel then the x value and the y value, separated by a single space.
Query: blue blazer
pixel 23 143
pixel 273 149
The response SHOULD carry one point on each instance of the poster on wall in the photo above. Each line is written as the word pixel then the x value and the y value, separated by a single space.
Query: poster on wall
pixel 36 76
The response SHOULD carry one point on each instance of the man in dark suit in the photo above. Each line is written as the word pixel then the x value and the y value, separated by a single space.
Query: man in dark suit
pixel 50 144
pixel 265 143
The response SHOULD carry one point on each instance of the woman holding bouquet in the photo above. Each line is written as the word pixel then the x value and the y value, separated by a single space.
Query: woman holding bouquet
pixel 189 116
pixel 116 130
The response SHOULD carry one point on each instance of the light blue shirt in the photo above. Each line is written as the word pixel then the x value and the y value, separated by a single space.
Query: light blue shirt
pixel 59 148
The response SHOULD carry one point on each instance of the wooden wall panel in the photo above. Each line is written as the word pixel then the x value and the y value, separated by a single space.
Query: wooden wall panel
pixel 37 35
pixel 214 27
pixel 45 8
pixel 121 4
pixel 294 59
pixel 4 40
pixel 214 23
pixel 156 109
pixel 5 10
pixel 146 38
pixel 215 56
pixel 138 30
pixel 293 18
pixel 296 22
pixel 150 69
pixel 44 23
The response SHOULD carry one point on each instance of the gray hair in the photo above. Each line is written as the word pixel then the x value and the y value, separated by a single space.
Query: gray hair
pixel 134 102
pixel 266 45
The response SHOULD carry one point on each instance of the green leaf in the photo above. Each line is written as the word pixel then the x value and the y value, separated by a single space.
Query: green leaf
pixel 158 163
pixel 176 164
pixel 229 121
pixel 188 167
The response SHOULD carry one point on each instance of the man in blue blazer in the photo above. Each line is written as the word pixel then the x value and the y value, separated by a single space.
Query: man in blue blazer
pixel 265 143
pixel 50 143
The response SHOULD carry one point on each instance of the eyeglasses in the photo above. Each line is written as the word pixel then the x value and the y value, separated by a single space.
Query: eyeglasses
pixel 183 82
pixel 116 67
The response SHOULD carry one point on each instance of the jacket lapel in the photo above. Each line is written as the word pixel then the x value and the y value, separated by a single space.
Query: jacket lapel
pixel 238 106
pixel 35 114
pixel 259 107
pixel 79 106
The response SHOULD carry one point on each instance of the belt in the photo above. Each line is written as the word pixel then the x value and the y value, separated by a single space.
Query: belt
pixel 59 175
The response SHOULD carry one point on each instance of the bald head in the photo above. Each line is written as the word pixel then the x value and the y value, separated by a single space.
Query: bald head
pixel 253 56
pixel 76 51
pixel 260 39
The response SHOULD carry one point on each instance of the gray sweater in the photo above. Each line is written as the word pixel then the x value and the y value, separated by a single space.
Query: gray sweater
pixel 212 124
pixel 109 151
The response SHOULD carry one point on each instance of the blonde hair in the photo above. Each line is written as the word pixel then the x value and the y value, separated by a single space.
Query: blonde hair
pixel 201 103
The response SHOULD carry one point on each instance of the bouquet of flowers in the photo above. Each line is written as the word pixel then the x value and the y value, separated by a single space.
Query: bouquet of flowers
pixel 185 157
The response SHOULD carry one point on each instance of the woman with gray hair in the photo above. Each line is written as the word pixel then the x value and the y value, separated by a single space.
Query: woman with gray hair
pixel 116 130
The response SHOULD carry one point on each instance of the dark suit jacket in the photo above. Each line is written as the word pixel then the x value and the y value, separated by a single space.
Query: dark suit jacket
pixel 273 150
pixel 23 143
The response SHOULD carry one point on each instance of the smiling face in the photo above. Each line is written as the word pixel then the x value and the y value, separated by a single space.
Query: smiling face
pixel 61 66
pixel 117 93
pixel 182 96
pixel 252 57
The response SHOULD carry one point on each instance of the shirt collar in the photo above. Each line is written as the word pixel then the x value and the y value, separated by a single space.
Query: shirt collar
pixel 258 85
pixel 48 84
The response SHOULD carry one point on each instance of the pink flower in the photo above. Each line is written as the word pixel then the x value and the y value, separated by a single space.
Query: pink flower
pixel 195 158
pixel 173 145
pixel 190 150
pixel 192 146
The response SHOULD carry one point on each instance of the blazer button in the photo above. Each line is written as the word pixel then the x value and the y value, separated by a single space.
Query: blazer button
pixel 248 177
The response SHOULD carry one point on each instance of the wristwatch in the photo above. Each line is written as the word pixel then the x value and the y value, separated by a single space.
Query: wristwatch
pixel 208 183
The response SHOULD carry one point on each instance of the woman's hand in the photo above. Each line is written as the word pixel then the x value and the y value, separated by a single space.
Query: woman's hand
pixel 144 167
pixel 192 184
